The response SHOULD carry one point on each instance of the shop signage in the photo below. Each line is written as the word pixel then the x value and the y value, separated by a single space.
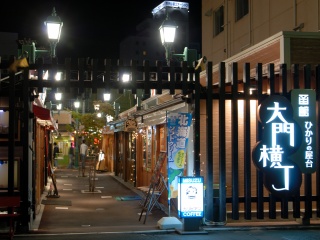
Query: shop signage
pixel 190 200
pixel 130 125
pixel 304 112
pixel 172 4
pixel 178 125
pixel 282 137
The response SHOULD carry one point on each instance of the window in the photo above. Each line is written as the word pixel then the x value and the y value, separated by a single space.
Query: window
pixel 218 21
pixel 242 8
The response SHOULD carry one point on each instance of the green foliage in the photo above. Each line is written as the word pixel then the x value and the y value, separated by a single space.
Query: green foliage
pixel 89 124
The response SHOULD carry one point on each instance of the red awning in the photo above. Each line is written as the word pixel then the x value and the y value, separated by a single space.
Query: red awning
pixel 42 113
pixel 44 117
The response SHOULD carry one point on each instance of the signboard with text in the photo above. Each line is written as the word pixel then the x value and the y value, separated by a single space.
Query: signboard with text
pixel 190 200
pixel 304 113
pixel 282 136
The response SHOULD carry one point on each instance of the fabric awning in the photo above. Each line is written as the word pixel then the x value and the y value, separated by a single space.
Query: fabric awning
pixel 44 117
pixel 42 113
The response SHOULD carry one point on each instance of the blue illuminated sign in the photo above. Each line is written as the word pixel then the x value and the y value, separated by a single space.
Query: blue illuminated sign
pixel 190 197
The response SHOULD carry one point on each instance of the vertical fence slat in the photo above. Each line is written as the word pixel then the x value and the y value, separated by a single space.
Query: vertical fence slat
pixel 40 74
pixel 107 75
pixel 67 63
pixel 247 144
pixel 159 77
pixel 81 75
pixel 172 78
pixel 284 208
pixel 307 176
pixel 119 76
pixel 222 142
pixel 12 130
pixel 94 75
pixel 260 197
pixel 27 157
pixel 146 77
pixel 272 200
pixel 234 141
pixel 318 140
pixel 133 76
pixel 209 133
pixel 196 128
pixel 295 79
pixel 184 77
pixel 283 75
pixel 295 72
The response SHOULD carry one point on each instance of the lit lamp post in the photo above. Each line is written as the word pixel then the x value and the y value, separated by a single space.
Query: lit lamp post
pixel 54 26
pixel 28 48
pixel 167 33
pixel 106 96
pixel 58 96
pixel 76 151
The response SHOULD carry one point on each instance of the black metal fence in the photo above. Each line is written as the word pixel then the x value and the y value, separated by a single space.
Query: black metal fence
pixel 226 163
pixel 231 136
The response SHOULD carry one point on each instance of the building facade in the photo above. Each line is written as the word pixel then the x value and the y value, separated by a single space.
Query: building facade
pixel 231 27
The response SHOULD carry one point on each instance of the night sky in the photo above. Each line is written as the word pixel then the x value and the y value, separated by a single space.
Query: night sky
pixel 91 28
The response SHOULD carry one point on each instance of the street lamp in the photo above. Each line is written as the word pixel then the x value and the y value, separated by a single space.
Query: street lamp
pixel 58 96
pixel 59 106
pixel 167 33
pixel 54 26
pixel 106 96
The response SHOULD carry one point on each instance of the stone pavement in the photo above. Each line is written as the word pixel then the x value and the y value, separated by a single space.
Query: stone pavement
pixel 81 207
pixel 81 210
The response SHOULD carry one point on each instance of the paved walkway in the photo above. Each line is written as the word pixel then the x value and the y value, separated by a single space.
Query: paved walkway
pixel 81 210
pixel 110 207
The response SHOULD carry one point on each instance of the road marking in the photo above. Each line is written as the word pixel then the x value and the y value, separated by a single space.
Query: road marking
pixel 106 196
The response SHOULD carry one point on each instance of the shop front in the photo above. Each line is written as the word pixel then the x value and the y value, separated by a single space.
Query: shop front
pixel 137 150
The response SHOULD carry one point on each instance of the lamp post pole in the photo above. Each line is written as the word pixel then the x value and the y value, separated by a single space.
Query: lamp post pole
pixel 76 151
pixel 167 34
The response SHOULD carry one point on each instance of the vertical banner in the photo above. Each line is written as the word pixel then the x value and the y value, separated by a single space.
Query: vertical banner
pixel 178 125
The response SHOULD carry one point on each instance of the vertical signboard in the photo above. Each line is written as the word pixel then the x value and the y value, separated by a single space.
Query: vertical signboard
pixel 178 131
pixel 304 108
pixel 282 137
pixel 190 200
